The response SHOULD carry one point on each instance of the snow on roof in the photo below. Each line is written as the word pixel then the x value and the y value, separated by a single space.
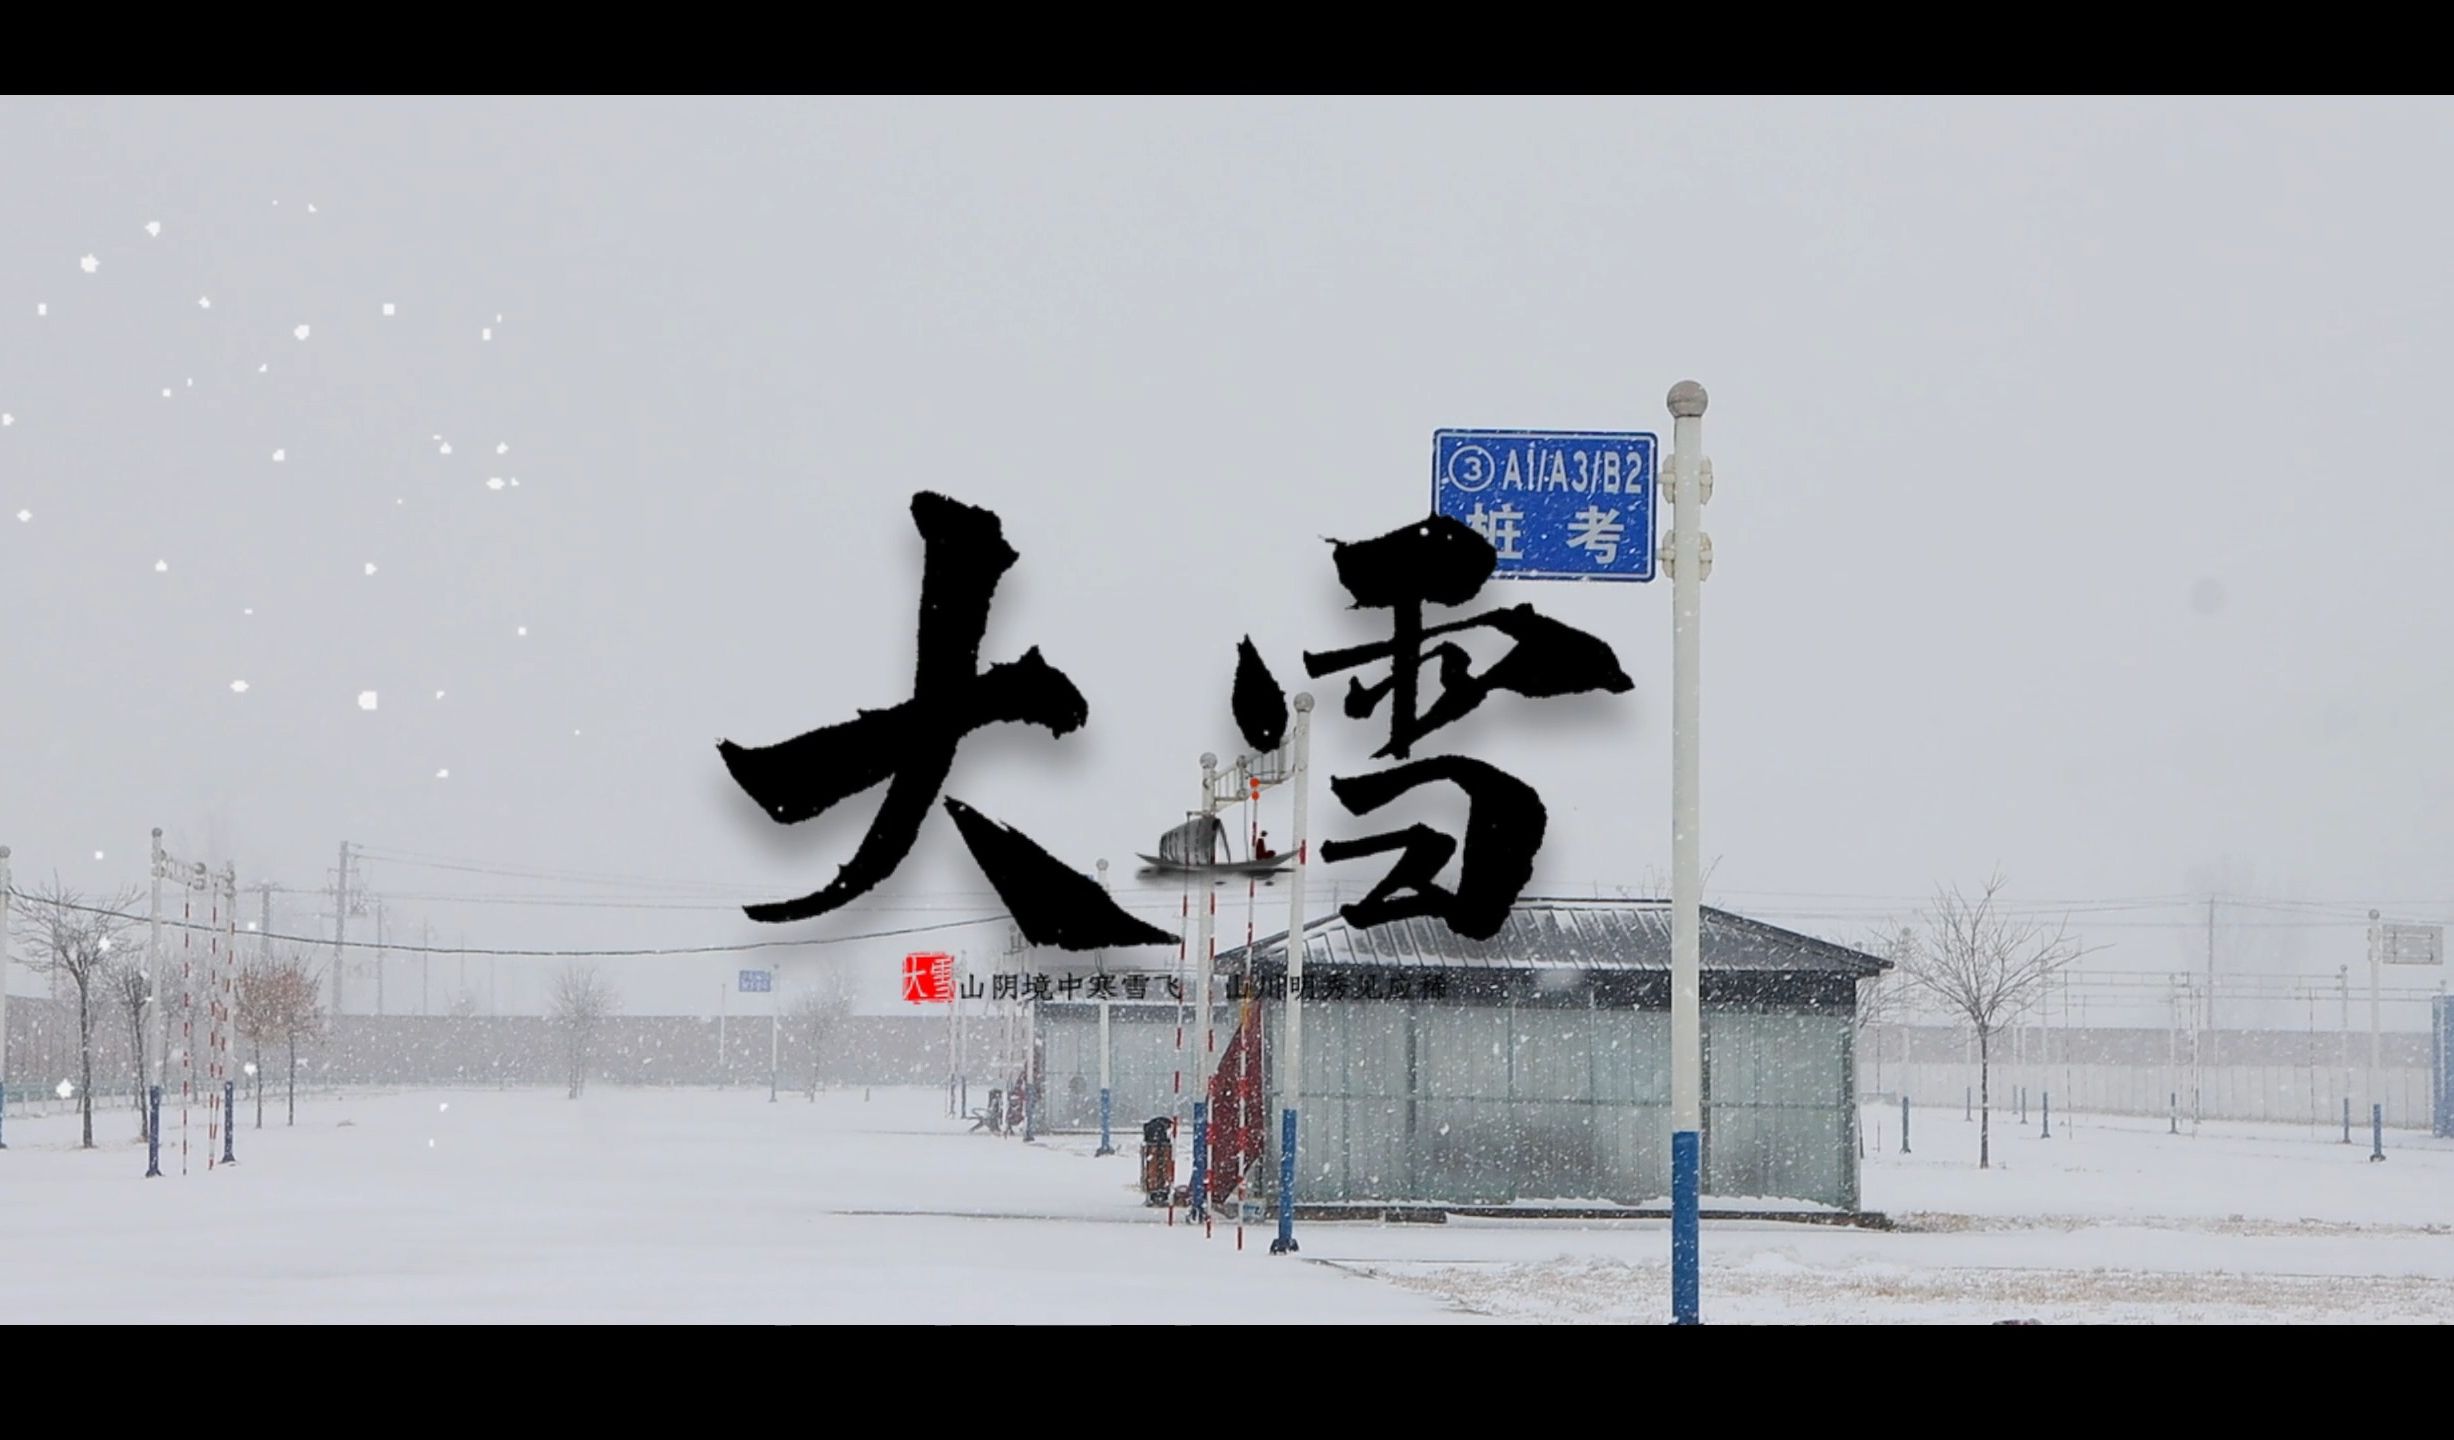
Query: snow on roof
pixel 1545 933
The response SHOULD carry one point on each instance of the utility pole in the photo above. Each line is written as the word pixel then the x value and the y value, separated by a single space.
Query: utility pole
pixel 1691 482
pixel 2343 983
pixel 264 922
pixel 380 955
pixel 2210 1026
pixel 2172 1048
pixel 4 996
pixel 340 926
pixel 2377 947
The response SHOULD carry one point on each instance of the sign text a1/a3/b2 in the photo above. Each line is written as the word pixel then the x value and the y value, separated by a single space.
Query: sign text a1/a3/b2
pixel 1555 504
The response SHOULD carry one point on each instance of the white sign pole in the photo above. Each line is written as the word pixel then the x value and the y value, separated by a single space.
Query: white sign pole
pixel 1290 1077
pixel 1107 1144
pixel 1205 942
pixel 1687 401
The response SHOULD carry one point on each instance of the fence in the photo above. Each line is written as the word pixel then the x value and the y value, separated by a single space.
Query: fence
pixel 2294 1077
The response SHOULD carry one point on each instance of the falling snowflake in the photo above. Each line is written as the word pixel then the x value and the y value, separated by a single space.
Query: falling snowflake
pixel 310 207
pixel 494 482
pixel 250 610
pixel 98 855
pixel 153 227
pixel 280 455
pixel 502 447
pixel 42 307
pixel 387 307
pixel 443 774
pixel 161 567
pixel 90 264
pixel 486 334
pixel 370 567
pixel 447 448
pixel 523 630
pixel 438 694
pixel 166 392
pixel 238 687
pixel 24 515
pixel 7 419
pixel 300 332
pixel 204 302
pixel 260 369
pixel 366 699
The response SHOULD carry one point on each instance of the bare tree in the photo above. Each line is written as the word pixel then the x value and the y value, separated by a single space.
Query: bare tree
pixel 72 939
pixel 280 999
pixel 1985 965
pixel 582 999
pixel 130 988
pixel 1883 997
pixel 817 1016
pixel 257 1003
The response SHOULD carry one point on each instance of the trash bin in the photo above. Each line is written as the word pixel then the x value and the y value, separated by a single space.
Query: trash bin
pixel 1158 1159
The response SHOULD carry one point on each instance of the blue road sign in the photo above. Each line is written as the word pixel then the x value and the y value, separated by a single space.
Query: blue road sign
pixel 1555 504
pixel 757 982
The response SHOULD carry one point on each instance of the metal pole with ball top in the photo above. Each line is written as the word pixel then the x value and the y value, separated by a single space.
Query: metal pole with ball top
pixel 1689 556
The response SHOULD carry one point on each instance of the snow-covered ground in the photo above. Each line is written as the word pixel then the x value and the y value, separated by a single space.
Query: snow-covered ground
pixel 695 1205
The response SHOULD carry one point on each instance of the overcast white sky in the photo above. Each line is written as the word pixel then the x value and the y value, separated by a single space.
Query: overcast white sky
pixel 2082 491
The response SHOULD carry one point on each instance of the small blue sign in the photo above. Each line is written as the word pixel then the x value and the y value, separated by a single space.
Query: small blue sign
pixel 1555 504
pixel 757 982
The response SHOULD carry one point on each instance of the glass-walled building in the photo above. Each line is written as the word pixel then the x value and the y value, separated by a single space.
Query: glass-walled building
pixel 1532 1069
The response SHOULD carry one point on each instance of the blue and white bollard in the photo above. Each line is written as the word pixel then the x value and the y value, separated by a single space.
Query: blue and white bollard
pixel 1200 1207
pixel 153 1134
pixel 1904 1124
pixel 1285 1243
pixel 2377 1132
pixel 2045 1100
pixel 1686 1227
pixel 230 1120
pixel 2347 1119
pixel 1106 1146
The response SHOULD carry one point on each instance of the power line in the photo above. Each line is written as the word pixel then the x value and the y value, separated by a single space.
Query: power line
pixel 736 947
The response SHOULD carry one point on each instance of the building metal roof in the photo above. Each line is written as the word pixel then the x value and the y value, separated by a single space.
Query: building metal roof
pixel 1562 934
